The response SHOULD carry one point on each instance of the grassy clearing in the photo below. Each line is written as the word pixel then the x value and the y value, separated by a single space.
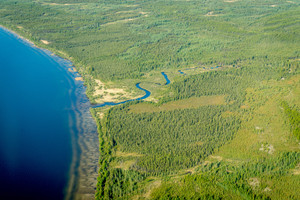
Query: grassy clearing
pixel 125 154
pixel 266 123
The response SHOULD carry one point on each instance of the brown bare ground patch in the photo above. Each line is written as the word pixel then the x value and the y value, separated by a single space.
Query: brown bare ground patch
pixel 110 94
pixel 45 41
pixel 58 4
pixel 146 14
pixel 130 6
pixel 79 79
pixel 193 102
pixel 100 115
pixel 20 27
pixel 230 1
pixel 72 69
pixel 127 154
pixel 296 171
pixel 254 182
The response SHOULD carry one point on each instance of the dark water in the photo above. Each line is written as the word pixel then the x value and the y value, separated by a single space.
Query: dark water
pixel 181 72
pixel 166 77
pixel 37 122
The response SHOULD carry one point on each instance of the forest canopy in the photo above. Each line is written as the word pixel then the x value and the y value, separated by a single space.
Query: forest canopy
pixel 236 61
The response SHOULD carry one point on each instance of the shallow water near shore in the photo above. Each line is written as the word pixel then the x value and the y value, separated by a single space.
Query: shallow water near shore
pixel 48 140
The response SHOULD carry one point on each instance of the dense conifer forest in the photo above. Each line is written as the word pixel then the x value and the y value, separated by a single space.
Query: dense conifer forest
pixel 228 125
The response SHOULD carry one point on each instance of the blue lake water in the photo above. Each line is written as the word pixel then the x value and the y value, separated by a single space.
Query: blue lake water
pixel 37 122
pixel 43 112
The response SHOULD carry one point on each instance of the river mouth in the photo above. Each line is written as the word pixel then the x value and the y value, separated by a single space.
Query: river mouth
pixel 146 95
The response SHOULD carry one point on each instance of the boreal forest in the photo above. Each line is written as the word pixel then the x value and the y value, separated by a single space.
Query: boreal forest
pixel 227 126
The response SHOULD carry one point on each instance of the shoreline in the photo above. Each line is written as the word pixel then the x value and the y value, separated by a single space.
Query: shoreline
pixel 30 42
pixel 19 36
pixel 65 56
pixel 77 169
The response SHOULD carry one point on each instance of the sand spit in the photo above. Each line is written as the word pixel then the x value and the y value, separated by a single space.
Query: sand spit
pixel 105 94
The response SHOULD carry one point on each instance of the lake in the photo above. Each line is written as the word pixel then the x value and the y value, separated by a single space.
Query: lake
pixel 39 124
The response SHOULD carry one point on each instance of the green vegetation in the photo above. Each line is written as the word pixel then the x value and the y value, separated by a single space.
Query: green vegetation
pixel 160 34
pixel 170 140
pixel 220 179
pixel 294 119
pixel 193 102
pixel 228 128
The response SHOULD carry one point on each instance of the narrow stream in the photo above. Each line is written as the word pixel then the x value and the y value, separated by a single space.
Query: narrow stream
pixel 166 77
pixel 147 94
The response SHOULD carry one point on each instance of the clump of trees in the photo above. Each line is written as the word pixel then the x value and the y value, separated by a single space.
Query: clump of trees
pixel 293 115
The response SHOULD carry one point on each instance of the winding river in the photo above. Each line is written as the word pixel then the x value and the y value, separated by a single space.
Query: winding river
pixel 166 77
pixel 147 94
